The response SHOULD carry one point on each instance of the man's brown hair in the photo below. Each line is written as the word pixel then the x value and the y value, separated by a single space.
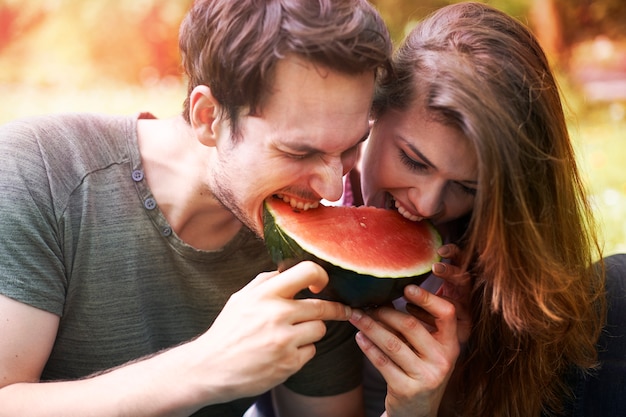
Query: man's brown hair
pixel 233 46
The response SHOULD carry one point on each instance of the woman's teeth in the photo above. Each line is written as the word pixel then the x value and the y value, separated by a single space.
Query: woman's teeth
pixel 296 204
pixel 406 214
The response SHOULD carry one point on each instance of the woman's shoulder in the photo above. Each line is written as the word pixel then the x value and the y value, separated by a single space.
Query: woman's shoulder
pixel 603 393
pixel 614 335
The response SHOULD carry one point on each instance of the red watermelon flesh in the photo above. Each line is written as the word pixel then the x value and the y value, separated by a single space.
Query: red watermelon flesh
pixel 367 240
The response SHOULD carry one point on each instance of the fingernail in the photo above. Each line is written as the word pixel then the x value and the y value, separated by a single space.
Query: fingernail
pixel 363 340
pixel 356 315
pixel 443 251
pixel 439 268
pixel 412 290
pixel 348 311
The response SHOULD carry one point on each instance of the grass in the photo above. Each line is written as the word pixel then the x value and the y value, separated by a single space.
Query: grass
pixel 601 147
pixel 597 130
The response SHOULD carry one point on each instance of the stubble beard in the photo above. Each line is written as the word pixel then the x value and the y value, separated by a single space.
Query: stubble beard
pixel 221 191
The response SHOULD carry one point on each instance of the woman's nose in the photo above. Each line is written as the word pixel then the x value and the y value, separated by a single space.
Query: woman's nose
pixel 427 200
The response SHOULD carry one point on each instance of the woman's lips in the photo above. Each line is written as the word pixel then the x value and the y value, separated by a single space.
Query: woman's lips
pixel 406 213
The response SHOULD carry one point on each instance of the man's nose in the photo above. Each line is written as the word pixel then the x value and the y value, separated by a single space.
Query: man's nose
pixel 327 181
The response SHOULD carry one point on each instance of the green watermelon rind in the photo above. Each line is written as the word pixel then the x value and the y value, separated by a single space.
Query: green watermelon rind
pixel 352 287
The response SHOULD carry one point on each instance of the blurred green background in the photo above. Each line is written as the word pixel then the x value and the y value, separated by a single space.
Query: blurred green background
pixel 118 56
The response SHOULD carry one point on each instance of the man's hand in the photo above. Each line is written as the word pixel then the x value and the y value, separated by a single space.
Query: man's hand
pixel 263 336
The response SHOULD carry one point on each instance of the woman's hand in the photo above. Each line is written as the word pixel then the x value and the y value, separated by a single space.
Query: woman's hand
pixel 456 288
pixel 415 358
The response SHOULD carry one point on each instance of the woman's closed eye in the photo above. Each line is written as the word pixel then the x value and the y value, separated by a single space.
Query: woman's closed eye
pixel 411 163
pixel 418 166
pixel 467 190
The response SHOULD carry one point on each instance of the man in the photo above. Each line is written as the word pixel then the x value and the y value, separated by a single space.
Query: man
pixel 124 238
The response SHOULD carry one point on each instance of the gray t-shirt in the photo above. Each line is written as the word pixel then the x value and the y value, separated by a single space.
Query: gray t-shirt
pixel 83 238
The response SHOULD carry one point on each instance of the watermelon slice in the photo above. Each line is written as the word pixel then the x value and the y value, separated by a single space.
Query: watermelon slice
pixel 370 254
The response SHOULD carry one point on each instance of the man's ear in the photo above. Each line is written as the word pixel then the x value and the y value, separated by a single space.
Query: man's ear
pixel 204 115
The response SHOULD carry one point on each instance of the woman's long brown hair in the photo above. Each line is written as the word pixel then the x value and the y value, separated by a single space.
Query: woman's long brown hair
pixel 531 243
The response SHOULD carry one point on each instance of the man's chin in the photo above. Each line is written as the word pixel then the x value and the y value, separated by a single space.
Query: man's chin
pixel 230 204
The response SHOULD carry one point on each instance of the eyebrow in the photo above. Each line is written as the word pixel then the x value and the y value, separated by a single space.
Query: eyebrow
pixel 305 148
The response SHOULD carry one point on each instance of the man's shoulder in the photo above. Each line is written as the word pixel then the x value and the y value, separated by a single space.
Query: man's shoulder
pixel 68 120
pixel 68 136
pixel 64 130
pixel 55 153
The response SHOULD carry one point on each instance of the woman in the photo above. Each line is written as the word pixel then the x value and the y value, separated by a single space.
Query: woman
pixel 470 134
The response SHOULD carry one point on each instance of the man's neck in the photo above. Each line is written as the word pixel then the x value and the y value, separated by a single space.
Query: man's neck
pixel 175 166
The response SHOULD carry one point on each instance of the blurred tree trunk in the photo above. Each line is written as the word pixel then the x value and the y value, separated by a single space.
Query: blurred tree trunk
pixel 547 26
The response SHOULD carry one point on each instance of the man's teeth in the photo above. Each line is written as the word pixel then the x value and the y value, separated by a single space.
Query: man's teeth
pixel 406 214
pixel 298 204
